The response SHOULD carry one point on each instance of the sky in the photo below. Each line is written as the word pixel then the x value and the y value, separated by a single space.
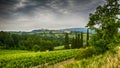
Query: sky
pixel 27 15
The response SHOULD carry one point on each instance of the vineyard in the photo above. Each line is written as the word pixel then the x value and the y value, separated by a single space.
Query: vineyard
pixel 12 59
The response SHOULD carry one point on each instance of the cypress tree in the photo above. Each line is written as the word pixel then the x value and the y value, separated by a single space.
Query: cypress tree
pixel 73 43
pixel 87 37
pixel 81 39
pixel 76 40
pixel 66 41
pixel 78 43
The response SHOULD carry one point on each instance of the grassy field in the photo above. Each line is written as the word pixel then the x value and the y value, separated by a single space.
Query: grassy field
pixel 4 52
pixel 26 59
pixel 59 48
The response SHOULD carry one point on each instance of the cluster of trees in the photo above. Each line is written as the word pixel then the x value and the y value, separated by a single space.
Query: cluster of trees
pixel 27 42
pixel 106 18
pixel 39 42
pixel 77 41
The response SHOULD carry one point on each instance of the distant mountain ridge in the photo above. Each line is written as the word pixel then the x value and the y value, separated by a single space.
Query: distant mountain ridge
pixel 56 31
pixel 39 30
pixel 76 29
pixel 62 30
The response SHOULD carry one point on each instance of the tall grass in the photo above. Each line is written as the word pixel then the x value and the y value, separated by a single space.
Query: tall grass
pixel 107 60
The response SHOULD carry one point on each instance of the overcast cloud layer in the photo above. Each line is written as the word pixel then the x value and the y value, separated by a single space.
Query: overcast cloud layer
pixel 25 15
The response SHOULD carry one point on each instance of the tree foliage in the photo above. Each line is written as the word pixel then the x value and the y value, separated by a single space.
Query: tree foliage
pixel 81 39
pixel 25 42
pixel 73 43
pixel 87 43
pixel 66 41
pixel 77 42
pixel 105 21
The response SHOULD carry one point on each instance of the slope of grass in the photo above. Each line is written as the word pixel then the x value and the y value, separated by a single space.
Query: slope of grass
pixel 107 60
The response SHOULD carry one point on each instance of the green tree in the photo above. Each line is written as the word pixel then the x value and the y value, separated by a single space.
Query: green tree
pixel 105 22
pixel 73 43
pixel 6 39
pixel 36 48
pixel 76 42
pixel 81 39
pixel 66 41
pixel 87 37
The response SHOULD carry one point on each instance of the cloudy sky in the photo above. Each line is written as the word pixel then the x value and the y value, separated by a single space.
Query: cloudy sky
pixel 26 15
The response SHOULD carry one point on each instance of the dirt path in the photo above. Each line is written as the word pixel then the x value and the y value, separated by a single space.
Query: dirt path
pixel 61 64
pixel 58 65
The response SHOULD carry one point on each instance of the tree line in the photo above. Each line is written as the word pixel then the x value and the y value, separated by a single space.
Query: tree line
pixel 39 42
pixel 28 42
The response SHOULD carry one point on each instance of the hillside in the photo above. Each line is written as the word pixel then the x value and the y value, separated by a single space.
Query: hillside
pixel 62 30
pixel 75 29
pixel 110 59
pixel 37 31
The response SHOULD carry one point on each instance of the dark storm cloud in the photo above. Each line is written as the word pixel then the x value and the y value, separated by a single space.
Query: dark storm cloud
pixel 52 5
pixel 54 12
pixel 6 7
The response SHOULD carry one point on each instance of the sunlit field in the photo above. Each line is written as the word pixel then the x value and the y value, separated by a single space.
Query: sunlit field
pixel 21 59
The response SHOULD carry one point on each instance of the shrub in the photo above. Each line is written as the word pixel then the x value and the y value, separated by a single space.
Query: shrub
pixel 86 53
pixel 99 44
pixel 36 48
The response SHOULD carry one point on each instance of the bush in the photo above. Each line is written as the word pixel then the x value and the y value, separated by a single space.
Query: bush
pixel 86 53
pixel 111 47
pixel 36 48
pixel 99 44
